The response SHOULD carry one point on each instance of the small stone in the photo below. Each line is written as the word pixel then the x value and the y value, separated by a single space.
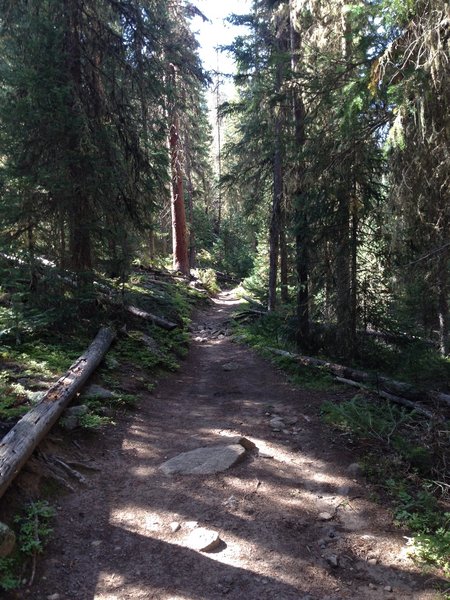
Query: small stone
pixel 372 586
pixel 322 543
pixel 372 561
pixel 69 423
pixel 231 502
pixel 97 392
pixel 243 441
pixel 290 420
pixel 203 540
pixel 277 424
pixel 231 366
pixel 96 543
pixel 191 524
pixel 325 516
pixel 77 411
pixel 354 470
pixel 333 560
pixel 54 597
pixel 175 526
pixel 7 540
pixel 387 588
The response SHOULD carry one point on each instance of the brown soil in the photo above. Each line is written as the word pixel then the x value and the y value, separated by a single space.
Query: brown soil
pixel 113 539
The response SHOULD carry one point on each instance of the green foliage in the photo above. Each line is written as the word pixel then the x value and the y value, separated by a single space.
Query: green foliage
pixel 94 421
pixel 9 580
pixel 34 529
pixel 379 420
pixel 208 279
pixel 420 512
pixel 34 532
pixel 402 436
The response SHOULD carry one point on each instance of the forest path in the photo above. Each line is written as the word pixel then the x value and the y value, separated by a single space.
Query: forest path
pixel 114 540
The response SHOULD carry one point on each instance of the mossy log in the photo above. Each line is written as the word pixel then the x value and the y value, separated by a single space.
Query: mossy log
pixel 18 445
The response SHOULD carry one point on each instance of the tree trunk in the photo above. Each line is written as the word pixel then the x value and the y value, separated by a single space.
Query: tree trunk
pixel 79 213
pixel 18 445
pixel 179 235
pixel 283 258
pixel 274 231
pixel 344 338
pixel 192 247
pixel 443 316
pixel 301 219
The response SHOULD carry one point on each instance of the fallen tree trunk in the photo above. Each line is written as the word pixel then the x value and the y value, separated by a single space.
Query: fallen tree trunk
pixel 385 384
pixel 254 303
pixel 109 295
pixel 403 401
pixel 159 321
pixel 18 445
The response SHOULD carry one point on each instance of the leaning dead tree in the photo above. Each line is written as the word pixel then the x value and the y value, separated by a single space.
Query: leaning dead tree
pixel 18 445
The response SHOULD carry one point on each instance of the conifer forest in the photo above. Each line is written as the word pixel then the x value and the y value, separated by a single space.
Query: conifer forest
pixel 310 186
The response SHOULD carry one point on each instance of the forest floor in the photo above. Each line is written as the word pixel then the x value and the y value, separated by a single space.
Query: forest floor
pixel 126 535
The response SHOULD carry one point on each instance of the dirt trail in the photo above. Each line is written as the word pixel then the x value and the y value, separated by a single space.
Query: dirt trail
pixel 113 540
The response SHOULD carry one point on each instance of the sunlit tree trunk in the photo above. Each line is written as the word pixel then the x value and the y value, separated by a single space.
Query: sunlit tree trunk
pixel 443 292
pixel 284 267
pixel 179 234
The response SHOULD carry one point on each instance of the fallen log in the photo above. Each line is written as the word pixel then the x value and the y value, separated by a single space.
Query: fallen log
pixel 397 399
pixel 250 313
pixel 254 302
pixel 159 321
pixel 18 445
pixel 398 388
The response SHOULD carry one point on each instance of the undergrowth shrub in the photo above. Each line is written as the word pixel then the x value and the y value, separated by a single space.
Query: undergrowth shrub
pixel 412 468
pixel 33 534
pixel 208 279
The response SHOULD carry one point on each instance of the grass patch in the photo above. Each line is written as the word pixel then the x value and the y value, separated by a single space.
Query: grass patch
pixel 407 458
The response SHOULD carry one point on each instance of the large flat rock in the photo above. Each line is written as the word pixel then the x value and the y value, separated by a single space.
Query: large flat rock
pixel 204 461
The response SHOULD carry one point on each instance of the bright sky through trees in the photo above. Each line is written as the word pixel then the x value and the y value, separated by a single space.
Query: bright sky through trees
pixel 218 32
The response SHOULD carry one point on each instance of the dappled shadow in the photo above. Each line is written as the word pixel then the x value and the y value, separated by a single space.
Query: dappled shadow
pixel 114 541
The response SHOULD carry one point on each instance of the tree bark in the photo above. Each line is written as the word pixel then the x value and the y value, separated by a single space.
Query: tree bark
pixel 18 445
pixel 443 315
pixel 344 337
pixel 179 234
pixel 79 213
pixel 274 231
pixel 283 259
pixel 277 193
pixel 301 218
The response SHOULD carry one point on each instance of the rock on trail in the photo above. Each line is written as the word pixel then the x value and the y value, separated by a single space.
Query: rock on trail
pixel 208 460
